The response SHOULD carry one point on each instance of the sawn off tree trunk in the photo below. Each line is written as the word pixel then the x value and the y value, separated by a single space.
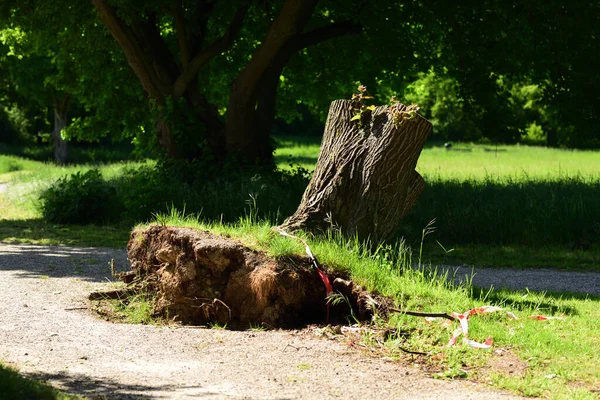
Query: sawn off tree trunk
pixel 365 180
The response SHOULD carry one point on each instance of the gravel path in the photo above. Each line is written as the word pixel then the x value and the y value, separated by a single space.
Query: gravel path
pixel 540 279
pixel 47 332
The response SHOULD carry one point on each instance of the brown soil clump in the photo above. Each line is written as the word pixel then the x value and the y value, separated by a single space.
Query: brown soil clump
pixel 200 278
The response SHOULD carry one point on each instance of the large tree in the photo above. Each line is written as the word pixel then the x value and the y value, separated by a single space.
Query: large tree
pixel 169 45
pixel 216 72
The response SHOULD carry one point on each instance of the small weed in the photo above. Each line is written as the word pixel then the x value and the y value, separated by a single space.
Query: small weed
pixel 304 367
pixel 217 326
pixel 257 328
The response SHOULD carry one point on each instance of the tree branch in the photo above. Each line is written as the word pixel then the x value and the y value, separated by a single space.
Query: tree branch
pixel 288 25
pixel 131 47
pixel 182 35
pixel 423 314
pixel 327 32
pixel 212 50
pixel 163 60
pixel 204 9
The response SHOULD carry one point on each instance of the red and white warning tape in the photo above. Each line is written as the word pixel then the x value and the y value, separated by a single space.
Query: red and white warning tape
pixel 313 260
pixel 463 319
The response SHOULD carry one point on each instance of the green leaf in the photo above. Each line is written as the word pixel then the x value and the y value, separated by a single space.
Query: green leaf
pixel 357 116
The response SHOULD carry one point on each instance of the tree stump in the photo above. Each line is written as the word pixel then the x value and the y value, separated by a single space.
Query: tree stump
pixel 365 180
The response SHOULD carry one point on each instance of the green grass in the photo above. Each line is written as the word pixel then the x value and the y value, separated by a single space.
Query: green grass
pixel 20 217
pixel 15 386
pixel 297 151
pixel 514 256
pixel 467 162
pixel 471 162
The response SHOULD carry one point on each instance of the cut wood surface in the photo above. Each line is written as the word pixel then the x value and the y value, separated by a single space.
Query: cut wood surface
pixel 365 180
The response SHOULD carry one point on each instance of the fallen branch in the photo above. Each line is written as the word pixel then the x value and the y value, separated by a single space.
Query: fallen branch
pixel 113 294
pixel 420 353
pixel 423 314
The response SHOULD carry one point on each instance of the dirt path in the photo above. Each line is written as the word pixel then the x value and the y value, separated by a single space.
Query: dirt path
pixel 45 333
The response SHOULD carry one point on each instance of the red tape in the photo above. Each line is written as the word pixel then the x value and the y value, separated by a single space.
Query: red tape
pixel 464 326
pixel 322 275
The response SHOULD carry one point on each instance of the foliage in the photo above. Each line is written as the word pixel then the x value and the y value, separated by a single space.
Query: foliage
pixel 358 106
pixel 43 73
pixel 467 64
pixel 400 113
pixel 146 191
pixel 140 192
pixel 441 102
pixel 80 198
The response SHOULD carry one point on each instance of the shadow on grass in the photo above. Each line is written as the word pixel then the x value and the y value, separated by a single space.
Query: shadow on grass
pixel 286 160
pixel 42 261
pixel 41 232
pixel 546 304
pixel 520 212
pixel 513 256
pixel 15 386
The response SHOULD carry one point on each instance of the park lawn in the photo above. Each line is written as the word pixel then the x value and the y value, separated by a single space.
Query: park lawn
pixel 20 218
pixel 466 161
pixel 518 206
pixel 513 256
pixel 469 161
pixel 523 215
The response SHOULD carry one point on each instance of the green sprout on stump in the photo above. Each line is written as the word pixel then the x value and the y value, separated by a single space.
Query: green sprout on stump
pixel 400 113
pixel 358 106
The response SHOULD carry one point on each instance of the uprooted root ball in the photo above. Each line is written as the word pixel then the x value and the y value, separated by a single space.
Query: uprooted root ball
pixel 201 278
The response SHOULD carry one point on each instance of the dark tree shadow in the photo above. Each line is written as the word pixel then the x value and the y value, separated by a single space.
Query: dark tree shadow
pixel 86 263
pixel 85 385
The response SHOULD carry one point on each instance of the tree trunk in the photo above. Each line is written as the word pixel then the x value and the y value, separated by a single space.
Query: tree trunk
pixel 61 109
pixel 365 180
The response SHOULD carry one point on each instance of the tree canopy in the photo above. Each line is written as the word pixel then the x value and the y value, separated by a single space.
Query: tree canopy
pixel 208 78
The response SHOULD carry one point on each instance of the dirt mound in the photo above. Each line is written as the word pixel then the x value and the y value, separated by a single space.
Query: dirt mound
pixel 201 278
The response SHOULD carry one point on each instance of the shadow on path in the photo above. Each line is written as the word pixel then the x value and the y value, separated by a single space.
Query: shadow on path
pixel 85 385
pixel 85 263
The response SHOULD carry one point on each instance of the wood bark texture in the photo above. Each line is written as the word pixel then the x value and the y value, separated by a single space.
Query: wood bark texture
pixel 61 148
pixel 365 180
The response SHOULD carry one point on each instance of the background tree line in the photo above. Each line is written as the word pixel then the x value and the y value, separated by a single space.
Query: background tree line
pixel 208 79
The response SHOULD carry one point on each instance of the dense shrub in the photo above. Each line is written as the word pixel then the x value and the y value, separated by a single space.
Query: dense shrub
pixel 223 196
pixel 80 198
pixel 141 192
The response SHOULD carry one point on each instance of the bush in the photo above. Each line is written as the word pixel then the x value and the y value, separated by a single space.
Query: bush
pixel 80 198
pixel 141 192
pixel 224 196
